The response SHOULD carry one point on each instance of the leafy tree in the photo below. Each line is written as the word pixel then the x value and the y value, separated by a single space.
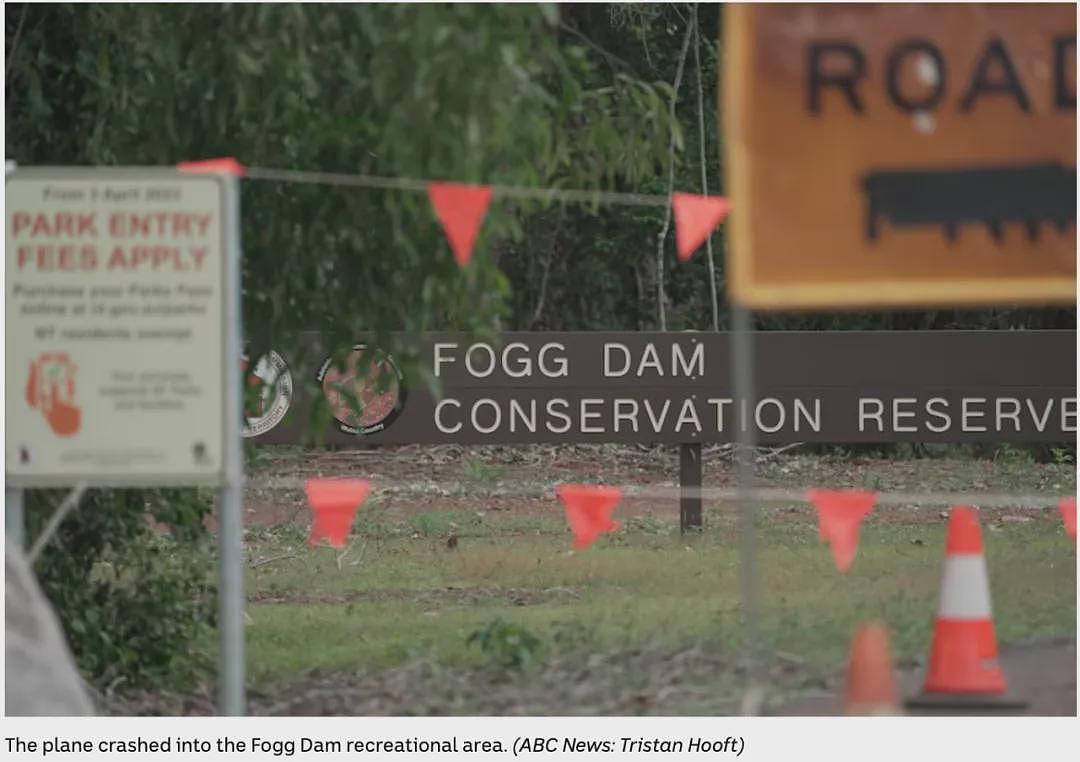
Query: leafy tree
pixel 136 605
pixel 460 92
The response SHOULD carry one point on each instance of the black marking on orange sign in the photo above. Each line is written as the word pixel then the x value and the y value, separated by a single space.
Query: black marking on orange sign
pixel 993 196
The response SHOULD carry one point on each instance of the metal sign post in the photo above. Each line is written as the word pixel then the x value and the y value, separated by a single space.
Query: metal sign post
pixel 14 497
pixel 230 499
pixel 742 368
pixel 15 516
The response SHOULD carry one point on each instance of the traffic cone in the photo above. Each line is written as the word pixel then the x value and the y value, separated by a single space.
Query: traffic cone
pixel 1067 507
pixel 964 672
pixel 871 687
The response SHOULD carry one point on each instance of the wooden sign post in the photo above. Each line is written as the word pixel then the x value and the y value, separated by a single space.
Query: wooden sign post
pixel 690 478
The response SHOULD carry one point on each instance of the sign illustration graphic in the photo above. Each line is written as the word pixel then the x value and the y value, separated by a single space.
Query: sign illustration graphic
pixel 51 389
pixel 270 386
pixel 990 196
pixel 363 400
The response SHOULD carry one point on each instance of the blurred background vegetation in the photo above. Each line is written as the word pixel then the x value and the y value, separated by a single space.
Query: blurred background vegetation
pixel 538 95
pixel 596 95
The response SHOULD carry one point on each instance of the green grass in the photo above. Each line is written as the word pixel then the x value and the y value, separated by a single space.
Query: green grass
pixel 388 601
pixel 478 471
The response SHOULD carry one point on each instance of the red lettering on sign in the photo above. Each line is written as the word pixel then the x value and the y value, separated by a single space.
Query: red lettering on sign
pixel 156 258
pixel 46 257
pixel 151 224
pixel 60 223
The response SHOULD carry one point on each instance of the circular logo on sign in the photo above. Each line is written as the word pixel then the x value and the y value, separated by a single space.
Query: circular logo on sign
pixel 367 395
pixel 269 395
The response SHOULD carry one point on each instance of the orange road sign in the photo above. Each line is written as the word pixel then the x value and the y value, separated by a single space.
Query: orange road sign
pixel 901 155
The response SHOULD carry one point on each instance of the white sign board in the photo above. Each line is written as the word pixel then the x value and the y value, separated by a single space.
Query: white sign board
pixel 115 292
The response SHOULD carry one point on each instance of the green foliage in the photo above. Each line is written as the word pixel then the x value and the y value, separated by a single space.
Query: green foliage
pixel 433 523
pixel 461 92
pixel 1007 453
pixel 478 471
pixel 574 635
pixel 135 605
pixel 871 481
pixel 646 524
pixel 506 644
pixel 534 95
pixel 256 458
pixel 1063 456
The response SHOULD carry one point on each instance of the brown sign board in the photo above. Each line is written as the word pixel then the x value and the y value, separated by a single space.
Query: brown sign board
pixel 843 386
pixel 900 155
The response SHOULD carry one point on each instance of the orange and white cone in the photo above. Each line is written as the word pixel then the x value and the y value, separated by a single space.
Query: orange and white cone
pixel 870 688
pixel 964 669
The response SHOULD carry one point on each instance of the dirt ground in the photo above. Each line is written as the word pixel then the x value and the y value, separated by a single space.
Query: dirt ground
pixel 1041 674
pixel 697 681
pixel 701 679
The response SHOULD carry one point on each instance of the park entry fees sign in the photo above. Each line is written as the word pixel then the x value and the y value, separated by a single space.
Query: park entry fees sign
pixel 901 155
pixel 114 302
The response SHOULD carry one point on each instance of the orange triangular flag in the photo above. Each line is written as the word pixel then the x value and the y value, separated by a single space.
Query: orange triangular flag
pixel 1068 515
pixel 333 506
pixel 588 509
pixel 839 515
pixel 226 165
pixel 460 209
pixel 695 219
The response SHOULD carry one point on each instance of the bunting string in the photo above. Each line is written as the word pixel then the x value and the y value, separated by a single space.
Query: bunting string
pixel 918 500
pixel 460 207
pixel 421 186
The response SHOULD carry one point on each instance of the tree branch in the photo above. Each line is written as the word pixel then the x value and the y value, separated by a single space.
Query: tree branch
pixel 704 173
pixel 55 520
pixel 611 58
pixel 661 307
pixel 15 40
pixel 543 291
